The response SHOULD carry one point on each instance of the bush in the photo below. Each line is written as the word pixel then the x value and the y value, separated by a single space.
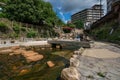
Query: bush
pixel 16 29
pixel 23 29
pixel 3 27
pixel 13 35
pixel 103 32
pixel 67 29
pixel 2 15
pixel 79 24
pixel 31 34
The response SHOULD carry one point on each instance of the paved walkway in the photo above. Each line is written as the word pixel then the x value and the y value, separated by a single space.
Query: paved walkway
pixel 101 62
pixel 29 43
pixel 102 50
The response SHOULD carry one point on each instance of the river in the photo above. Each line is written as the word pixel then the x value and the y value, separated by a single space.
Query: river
pixel 15 67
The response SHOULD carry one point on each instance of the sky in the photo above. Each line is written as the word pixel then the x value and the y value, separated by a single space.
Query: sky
pixel 65 8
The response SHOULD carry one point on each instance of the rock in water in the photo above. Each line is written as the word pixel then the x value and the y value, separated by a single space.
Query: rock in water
pixel 81 50
pixel 74 62
pixel 70 73
pixel 6 51
pixel 24 71
pixel 34 58
pixel 15 47
pixel 50 64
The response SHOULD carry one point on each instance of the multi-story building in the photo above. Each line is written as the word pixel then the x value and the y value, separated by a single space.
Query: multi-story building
pixel 88 16
pixel 109 4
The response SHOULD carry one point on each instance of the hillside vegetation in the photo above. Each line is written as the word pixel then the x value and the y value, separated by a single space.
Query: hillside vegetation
pixel 14 30
pixel 107 32
pixel 37 13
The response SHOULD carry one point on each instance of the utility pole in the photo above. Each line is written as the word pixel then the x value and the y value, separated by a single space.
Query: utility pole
pixel 100 8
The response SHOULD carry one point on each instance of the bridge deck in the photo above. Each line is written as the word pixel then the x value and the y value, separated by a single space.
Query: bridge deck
pixel 70 43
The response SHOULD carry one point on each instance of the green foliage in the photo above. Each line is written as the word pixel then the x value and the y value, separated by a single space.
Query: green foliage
pixel 4 1
pixel 14 35
pixel 2 15
pixel 71 25
pixel 31 33
pixel 100 74
pixel 58 22
pixel 90 76
pixel 79 24
pixel 103 32
pixel 16 28
pixel 30 11
pixel 3 27
pixel 23 29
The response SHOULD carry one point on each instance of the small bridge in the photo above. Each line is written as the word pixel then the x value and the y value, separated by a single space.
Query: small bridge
pixel 68 44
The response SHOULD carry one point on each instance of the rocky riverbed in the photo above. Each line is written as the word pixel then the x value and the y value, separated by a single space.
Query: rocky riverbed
pixel 101 62
pixel 18 63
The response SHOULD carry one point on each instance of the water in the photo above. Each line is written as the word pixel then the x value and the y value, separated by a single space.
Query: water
pixel 11 67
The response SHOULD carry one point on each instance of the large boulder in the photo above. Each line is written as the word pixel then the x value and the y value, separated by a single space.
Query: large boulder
pixel 24 71
pixel 15 47
pixel 79 52
pixel 6 51
pixel 29 53
pixel 70 73
pixel 74 62
pixel 34 58
pixel 19 51
pixel 30 56
pixel 50 64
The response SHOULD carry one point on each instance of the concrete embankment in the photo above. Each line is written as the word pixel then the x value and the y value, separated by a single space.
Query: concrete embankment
pixel 28 45
pixel 100 62
pixel 26 49
pixel 35 45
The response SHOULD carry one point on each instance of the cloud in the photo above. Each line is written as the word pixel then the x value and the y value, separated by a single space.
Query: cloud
pixel 62 16
pixel 69 7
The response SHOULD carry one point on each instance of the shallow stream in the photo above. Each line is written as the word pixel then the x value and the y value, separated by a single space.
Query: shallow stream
pixel 15 67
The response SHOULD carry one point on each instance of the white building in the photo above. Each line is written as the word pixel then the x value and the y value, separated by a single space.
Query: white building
pixel 89 15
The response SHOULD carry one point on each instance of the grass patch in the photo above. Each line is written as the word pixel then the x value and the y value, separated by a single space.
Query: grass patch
pixel 90 76
pixel 3 27
pixel 101 74
pixel 31 33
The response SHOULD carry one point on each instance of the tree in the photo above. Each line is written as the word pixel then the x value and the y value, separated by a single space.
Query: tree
pixel 71 25
pixel 79 24
pixel 30 11
pixel 23 10
pixel 4 1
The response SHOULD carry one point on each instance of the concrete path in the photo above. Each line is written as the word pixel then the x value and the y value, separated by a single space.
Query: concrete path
pixel 34 43
pixel 29 43
pixel 102 50
pixel 101 62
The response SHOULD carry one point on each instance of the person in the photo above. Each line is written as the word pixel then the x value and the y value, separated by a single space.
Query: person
pixel 81 37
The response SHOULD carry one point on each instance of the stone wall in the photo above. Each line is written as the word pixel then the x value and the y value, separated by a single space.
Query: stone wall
pixel 108 27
